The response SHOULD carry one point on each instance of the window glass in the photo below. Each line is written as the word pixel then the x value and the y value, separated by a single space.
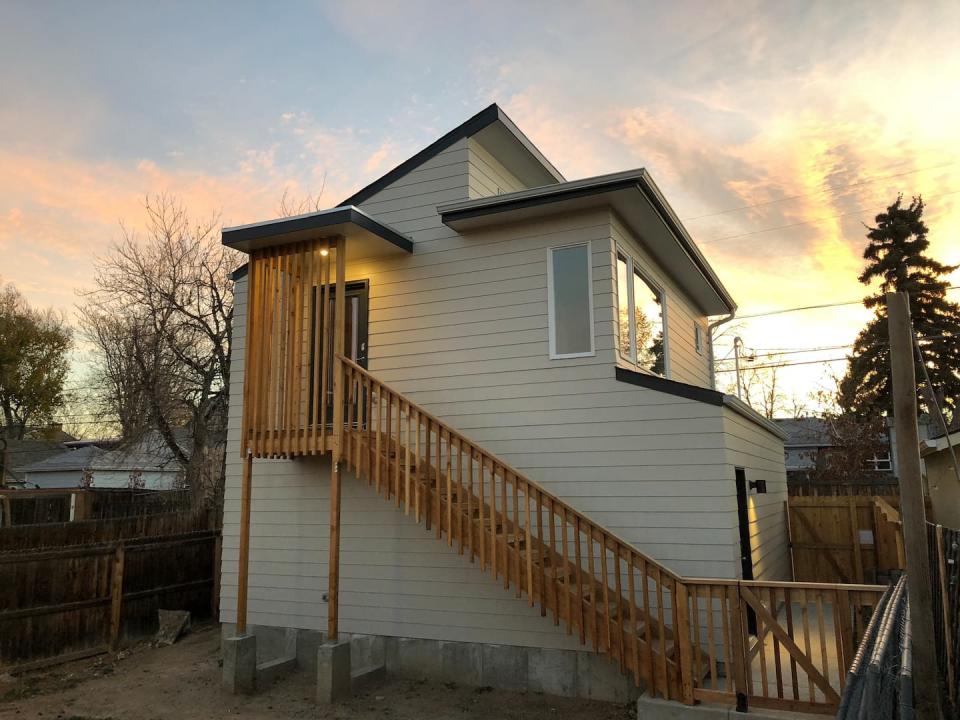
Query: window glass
pixel 648 321
pixel 623 309
pixel 572 324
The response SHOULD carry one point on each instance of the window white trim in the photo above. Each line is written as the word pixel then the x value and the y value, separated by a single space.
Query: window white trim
pixel 633 267
pixel 551 311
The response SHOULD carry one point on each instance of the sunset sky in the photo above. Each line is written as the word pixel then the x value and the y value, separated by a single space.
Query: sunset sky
pixel 775 129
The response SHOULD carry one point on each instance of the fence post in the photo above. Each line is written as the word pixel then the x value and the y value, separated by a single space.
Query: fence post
pixel 116 596
pixel 945 602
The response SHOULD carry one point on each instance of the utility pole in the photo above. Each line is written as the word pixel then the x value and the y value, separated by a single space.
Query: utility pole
pixel 737 342
pixel 919 582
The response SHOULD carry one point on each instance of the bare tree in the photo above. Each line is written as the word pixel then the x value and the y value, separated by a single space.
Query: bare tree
pixel 290 206
pixel 160 320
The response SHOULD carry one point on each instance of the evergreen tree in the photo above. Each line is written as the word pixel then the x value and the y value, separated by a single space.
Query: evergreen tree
pixel 896 256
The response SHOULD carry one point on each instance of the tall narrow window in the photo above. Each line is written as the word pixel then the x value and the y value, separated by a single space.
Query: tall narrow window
pixel 648 318
pixel 640 317
pixel 623 307
pixel 570 301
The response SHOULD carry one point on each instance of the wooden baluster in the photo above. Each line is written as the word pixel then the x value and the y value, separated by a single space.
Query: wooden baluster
pixel 528 542
pixel 418 482
pixel 727 641
pixel 804 616
pixel 567 574
pixel 494 549
pixel 449 474
pixel 387 443
pixel 438 478
pixel 740 644
pixel 398 454
pixel 694 593
pixel 824 661
pixel 619 601
pixel 502 559
pixel 761 642
pixel 788 606
pixel 427 484
pixel 516 535
pixel 348 437
pixel 378 442
pixel 461 491
pixel 647 624
pixel 681 639
pixel 543 554
pixel 661 630
pixel 592 579
pixel 555 566
pixel 634 634
pixel 406 463
pixel 579 577
pixel 358 430
pixel 481 509
pixel 471 549
pixel 605 589
pixel 838 640
pixel 777 667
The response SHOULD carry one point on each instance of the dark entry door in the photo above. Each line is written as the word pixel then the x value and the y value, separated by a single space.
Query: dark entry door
pixel 746 551
pixel 355 331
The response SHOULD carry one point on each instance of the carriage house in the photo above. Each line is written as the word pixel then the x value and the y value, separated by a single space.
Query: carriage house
pixel 472 413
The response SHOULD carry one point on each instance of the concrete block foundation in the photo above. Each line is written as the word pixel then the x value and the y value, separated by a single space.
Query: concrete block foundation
pixel 333 672
pixel 240 664
pixel 564 673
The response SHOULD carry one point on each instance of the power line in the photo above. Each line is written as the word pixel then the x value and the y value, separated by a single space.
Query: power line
pixel 782 365
pixel 782 311
pixel 824 191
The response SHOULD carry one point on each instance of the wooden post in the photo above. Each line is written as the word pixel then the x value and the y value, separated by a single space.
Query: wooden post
pixel 116 597
pixel 333 570
pixel 243 569
pixel 919 582
pixel 945 608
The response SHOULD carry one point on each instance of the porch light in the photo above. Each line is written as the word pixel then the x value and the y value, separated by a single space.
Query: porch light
pixel 324 253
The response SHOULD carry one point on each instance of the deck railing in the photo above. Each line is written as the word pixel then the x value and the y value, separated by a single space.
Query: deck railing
pixel 688 640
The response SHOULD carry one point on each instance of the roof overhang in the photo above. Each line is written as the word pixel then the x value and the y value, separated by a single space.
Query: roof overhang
pixel 635 198
pixel 365 236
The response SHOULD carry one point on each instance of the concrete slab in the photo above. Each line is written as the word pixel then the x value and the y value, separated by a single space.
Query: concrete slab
pixel 461 663
pixel 505 667
pixel 552 672
pixel 240 664
pixel 272 670
pixel 333 672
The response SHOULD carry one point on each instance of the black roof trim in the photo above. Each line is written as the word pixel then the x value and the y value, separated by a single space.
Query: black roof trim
pixel 334 216
pixel 240 272
pixel 475 124
pixel 537 200
pixel 671 387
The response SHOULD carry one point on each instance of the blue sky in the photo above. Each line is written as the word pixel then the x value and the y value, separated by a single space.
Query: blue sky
pixel 775 129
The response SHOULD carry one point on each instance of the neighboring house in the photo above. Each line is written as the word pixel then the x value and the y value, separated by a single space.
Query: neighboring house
pixel 38 444
pixel 560 325
pixel 145 465
pixel 809 440
pixel 943 485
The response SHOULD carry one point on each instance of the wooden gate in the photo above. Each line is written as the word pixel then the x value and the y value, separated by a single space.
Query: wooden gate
pixel 852 539
pixel 806 637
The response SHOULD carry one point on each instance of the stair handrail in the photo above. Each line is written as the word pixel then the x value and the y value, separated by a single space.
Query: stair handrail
pixel 520 475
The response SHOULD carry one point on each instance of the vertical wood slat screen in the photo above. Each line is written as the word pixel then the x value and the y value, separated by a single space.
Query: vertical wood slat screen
pixel 288 349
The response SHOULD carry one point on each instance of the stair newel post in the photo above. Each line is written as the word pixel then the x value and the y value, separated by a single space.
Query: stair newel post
pixel 682 638
pixel 333 572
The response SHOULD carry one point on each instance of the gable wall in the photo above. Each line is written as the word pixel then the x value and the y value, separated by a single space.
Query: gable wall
pixel 488 176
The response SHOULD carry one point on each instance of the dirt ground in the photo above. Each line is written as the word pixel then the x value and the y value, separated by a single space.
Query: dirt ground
pixel 182 682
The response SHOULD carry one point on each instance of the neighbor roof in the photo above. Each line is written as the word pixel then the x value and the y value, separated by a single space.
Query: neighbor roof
pixel 23 453
pixel 79 459
pixel 619 190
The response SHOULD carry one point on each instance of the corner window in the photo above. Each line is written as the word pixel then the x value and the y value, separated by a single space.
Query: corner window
pixel 570 301
pixel 640 317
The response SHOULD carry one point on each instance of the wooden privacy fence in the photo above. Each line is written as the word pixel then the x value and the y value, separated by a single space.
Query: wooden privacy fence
pixel 66 603
pixel 852 539
pixel 36 507
pixel 687 639
pixel 809 488
pixel 944 548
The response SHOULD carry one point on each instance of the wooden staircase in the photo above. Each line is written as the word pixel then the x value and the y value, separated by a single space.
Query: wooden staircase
pixel 616 599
